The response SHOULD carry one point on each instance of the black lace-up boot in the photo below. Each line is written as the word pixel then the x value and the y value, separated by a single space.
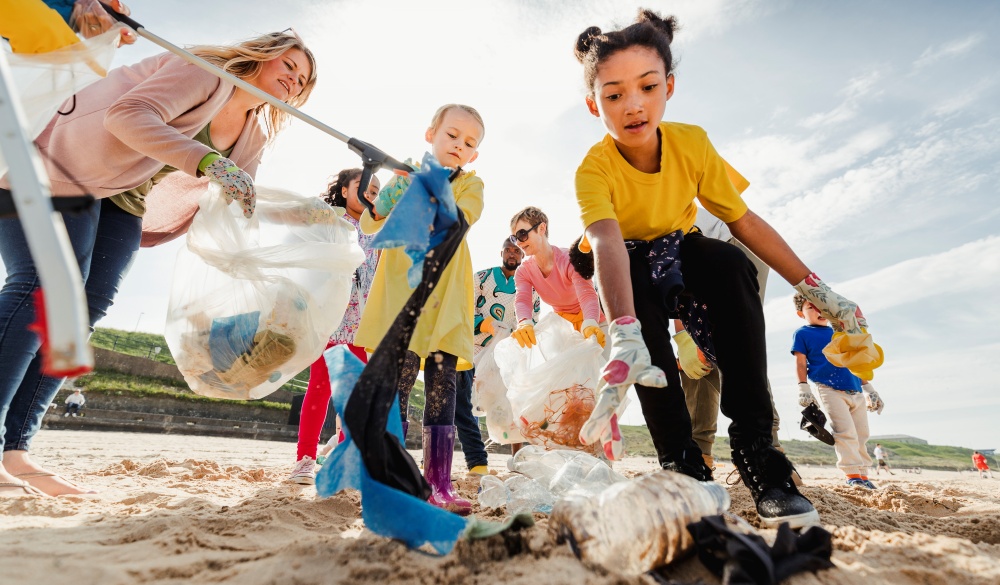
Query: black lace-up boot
pixel 768 474
pixel 689 462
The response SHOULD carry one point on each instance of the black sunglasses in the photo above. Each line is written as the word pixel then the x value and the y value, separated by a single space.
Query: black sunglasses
pixel 522 235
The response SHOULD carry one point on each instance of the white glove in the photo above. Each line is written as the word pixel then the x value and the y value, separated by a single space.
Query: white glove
pixel 872 398
pixel 629 364
pixel 805 395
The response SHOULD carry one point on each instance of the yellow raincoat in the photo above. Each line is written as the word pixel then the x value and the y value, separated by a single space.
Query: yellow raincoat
pixel 446 322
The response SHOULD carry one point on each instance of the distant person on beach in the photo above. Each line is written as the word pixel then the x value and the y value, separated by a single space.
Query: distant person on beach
pixel 880 459
pixel 341 192
pixel 74 402
pixel 845 397
pixel 979 460
pixel 156 130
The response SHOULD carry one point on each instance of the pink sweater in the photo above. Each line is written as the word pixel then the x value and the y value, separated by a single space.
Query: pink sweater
pixel 127 126
pixel 563 289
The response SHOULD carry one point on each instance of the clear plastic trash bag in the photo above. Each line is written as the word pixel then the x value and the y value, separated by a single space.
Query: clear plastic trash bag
pixel 489 394
pixel 43 81
pixel 551 385
pixel 253 302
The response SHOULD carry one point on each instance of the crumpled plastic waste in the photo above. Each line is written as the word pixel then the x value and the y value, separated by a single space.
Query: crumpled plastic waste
pixel 855 351
pixel 44 81
pixel 253 302
pixel 740 558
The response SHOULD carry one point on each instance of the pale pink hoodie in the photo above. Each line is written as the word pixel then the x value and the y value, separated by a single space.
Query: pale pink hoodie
pixel 123 129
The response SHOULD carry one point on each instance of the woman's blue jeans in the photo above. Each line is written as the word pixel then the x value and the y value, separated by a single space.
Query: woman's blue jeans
pixel 105 240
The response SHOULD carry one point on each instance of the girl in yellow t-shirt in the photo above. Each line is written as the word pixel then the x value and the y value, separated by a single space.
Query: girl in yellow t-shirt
pixel 443 336
pixel 636 191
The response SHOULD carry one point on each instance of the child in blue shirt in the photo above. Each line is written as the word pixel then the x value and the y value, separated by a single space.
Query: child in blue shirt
pixel 844 396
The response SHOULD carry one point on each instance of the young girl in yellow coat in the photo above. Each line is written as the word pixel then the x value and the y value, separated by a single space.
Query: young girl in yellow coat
pixel 443 337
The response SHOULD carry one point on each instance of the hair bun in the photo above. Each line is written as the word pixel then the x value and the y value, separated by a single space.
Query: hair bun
pixel 666 26
pixel 584 42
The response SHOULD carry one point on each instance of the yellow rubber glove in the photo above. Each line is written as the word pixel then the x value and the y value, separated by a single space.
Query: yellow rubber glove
pixel 525 334
pixel 856 352
pixel 590 328
pixel 487 325
pixel 691 360
pixel 575 318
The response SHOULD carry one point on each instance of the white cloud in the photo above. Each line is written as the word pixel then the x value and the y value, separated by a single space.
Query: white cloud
pixel 949 50
pixel 856 89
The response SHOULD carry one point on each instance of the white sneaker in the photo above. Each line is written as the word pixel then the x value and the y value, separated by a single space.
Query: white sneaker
pixel 74 415
pixel 304 472
pixel 65 415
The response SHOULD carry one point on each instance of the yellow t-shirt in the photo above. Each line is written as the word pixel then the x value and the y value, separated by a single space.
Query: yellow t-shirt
pixel 651 205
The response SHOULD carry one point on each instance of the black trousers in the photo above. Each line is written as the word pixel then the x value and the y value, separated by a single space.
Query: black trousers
pixel 720 275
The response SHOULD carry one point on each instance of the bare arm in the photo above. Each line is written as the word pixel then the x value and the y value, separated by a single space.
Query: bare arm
pixel 800 366
pixel 611 264
pixel 761 239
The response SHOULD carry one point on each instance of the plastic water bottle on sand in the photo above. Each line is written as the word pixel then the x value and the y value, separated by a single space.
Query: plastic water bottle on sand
pixel 637 525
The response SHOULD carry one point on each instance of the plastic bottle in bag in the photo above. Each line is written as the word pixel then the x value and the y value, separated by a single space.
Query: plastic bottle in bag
pixel 636 526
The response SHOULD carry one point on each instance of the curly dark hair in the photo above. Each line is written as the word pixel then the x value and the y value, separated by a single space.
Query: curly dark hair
pixel 649 30
pixel 334 194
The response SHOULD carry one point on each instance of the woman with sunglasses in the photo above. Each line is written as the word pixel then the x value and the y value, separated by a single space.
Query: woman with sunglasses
pixel 150 134
pixel 547 270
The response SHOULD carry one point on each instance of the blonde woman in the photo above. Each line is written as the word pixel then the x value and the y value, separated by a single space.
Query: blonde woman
pixel 161 119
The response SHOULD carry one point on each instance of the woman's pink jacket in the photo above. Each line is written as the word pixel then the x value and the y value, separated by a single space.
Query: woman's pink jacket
pixel 123 129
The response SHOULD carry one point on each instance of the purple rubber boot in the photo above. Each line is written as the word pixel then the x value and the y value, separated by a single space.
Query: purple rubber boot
pixel 439 448
pixel 406 431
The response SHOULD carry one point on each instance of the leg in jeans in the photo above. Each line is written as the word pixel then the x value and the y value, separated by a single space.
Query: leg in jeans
pixel 19 357
pixel 720 275
pixel 468 425
pixel 113 248
pixel 664 409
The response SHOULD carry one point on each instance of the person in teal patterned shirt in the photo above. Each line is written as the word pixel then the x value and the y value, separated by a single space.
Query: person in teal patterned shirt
pixel 494 293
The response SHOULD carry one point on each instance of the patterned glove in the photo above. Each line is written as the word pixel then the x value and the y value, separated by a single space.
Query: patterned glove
pixel 851 347
pixel 872 398
pixel 843 314
pixel 691 359
pixel 394 190
pixel 805 395
pixel 236 184
pixel 487 325
pixel 525 334
pixel 629 364
pixel 590 328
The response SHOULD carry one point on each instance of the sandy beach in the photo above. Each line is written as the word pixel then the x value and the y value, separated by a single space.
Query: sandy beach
pixel 185 509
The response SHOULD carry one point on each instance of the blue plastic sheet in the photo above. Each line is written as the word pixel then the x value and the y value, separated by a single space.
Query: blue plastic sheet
pixel 421 219
pixel 386 511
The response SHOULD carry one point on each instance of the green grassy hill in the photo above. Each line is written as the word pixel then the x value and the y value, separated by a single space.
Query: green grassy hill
pixel 901 455
pixel 637 440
